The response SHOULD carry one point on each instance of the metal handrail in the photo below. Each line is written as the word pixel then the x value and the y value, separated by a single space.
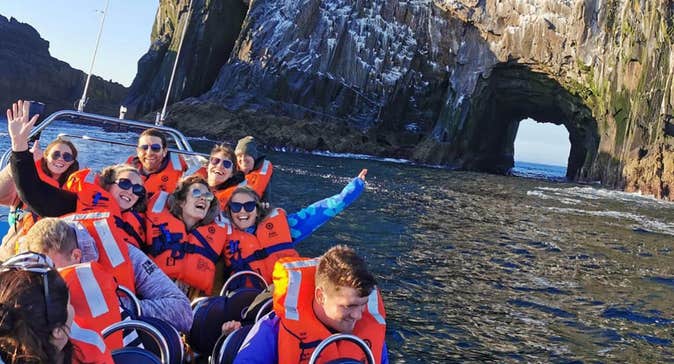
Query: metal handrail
pixel 147 328
pixel 136 302
pixel 260 312
pixel 128 144
pixel 223 291
pixel 180 139
pixel 336 337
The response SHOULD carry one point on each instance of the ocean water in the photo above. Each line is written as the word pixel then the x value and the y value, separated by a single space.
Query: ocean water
pixel 484 268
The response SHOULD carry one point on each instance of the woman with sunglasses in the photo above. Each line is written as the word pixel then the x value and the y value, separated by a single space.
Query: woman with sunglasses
pixel 222 174
pixel 37 320
pixel 106 200
pixel 53 166
pixel 261 236
pixel 186 235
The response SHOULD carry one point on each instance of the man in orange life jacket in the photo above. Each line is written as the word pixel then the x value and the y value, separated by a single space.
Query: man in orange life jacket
pixel 160 169
pixel 313 299
pixel 92 287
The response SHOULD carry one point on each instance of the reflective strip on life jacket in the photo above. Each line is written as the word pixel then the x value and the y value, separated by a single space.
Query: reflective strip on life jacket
pixel 265 167
pixel 175 162
pixel 158 206
pixel 373 307
pixel 294 284
pixel 90 178
pixel 92 291
pixel 109 243
pixel 87 336
pixel 87 216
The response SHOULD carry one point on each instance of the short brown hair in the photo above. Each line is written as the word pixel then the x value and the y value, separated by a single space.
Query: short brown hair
pixel 340 266
pixel 180 195
pixel 153 132
pixel 51 234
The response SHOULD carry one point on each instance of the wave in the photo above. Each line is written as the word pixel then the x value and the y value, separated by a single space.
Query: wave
pixel 645 224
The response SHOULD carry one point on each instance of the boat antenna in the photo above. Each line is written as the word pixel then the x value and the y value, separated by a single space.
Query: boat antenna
pixel 161 117
pixel 83 100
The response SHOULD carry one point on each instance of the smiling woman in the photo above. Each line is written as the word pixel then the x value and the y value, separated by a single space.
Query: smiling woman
pixel 186 236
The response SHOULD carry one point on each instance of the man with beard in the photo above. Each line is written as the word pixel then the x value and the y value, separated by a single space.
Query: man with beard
pixel 160 169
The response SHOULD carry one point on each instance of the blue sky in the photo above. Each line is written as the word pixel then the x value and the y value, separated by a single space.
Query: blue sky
pixel 71 27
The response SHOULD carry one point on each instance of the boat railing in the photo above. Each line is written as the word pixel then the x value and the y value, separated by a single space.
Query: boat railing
pixel 182 145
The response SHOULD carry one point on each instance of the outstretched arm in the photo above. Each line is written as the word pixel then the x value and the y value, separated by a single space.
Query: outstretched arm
pixel 306 221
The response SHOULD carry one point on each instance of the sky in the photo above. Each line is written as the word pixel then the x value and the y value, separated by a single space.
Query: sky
pixel 543 143
pixel 71 27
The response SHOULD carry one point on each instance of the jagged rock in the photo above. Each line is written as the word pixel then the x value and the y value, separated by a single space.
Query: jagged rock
pixel 461 74
pixel 28 71
pixel 212 30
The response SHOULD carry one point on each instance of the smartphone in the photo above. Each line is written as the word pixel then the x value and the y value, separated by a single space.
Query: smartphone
pixel 35 108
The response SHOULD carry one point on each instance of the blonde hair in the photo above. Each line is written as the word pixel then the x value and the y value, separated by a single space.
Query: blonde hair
pixel 51 234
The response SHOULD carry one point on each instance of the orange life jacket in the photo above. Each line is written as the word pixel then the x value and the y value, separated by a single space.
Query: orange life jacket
pixel 90 195
pixel 112 249
pixel 165 179
pixel 187 256
pixel 88 346
pixel 301 331
pixel 94 298
pixel 259 252
pixel 258 179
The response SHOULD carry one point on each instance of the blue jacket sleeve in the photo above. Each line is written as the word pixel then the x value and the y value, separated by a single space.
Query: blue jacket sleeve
pixel 261 343
pixel 306 221
pixel 384 354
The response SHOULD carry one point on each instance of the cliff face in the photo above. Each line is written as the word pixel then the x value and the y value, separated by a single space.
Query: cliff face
pixel 212 30
pixel 28 71
pixel 447 81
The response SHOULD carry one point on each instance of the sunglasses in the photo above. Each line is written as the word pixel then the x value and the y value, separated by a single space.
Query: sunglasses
pixel 34 263
pixel 67 157
pixel 248 206
pixel 153 147
pixel 225 162
pixel 197 193
pixel 126 184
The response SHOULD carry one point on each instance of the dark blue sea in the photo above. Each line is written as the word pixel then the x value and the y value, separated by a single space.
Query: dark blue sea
pixel 484 268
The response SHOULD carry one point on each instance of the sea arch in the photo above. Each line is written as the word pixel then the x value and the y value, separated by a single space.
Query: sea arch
pixel 480 135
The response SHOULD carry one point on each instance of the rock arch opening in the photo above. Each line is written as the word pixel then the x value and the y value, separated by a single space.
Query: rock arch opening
pixel 514 92
pixel 542 143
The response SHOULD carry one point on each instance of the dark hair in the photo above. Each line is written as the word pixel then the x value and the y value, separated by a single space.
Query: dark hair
pixel 109 175
pixel 73 167
pixel 262 211
pixel 25 331
pixel 154 133
pixel 229 152
pixel 180 195
pixel 340 266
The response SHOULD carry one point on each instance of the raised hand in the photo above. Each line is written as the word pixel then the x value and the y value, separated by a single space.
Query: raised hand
pixel 19 125
pixel 362 174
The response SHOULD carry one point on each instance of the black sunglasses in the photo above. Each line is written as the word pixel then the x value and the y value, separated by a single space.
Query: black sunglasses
pixel 153 147
pixel 125 184
pixel 248 206
pixel 225 162
pixel 67 157
pixel 34 263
